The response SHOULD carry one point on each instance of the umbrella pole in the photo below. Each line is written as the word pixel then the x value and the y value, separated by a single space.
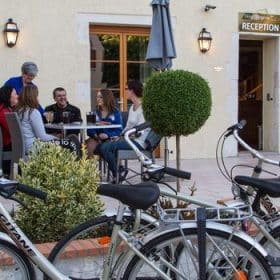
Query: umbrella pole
pixel 166 151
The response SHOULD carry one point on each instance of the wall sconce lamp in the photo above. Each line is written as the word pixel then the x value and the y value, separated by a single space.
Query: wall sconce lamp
pixel 204 40
pixel 11 33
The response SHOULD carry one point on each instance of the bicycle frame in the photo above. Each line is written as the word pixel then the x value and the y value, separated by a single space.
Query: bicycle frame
pixel 16 235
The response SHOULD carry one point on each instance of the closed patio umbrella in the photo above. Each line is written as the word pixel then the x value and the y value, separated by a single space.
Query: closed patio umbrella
pixel 161 48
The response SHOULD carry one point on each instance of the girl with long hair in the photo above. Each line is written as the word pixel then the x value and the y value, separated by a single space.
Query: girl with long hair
pixel 30 117
pixel 106 113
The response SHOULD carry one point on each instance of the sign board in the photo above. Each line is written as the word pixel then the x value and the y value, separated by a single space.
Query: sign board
pixel 259 23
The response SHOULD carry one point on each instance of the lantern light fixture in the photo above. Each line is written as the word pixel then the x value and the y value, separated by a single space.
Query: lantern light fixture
pixel 204 40
pixel 11 33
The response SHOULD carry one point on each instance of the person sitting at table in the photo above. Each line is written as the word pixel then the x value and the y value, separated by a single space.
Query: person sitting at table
pixel 60 106
pixel 108 150
pixel 106 113
pixel 29 71
pixel 8 101
pixel 32 122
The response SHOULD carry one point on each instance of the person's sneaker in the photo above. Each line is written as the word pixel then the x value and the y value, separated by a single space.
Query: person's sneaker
pixel 75 144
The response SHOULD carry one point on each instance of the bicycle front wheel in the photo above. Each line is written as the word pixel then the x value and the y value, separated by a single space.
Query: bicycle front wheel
pixel 13 263
pixel 227 257
pixel 272 249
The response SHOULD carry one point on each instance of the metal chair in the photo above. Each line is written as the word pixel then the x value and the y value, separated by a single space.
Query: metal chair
pixel 4 155
pixel 17 138
pixel 152 141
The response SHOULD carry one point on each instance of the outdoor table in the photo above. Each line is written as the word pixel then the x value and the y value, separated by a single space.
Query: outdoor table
pixel 79 126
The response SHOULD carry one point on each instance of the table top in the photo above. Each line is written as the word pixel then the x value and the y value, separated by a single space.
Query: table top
pixel 76 125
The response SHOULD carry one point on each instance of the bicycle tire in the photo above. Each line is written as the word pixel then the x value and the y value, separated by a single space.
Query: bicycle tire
pixel 236 252
pixel 13 263
pixel 272 250
pixel 103 225
pixel 82 267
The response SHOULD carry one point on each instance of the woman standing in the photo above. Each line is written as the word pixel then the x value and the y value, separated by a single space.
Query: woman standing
pixel 8 101
pixel 106 113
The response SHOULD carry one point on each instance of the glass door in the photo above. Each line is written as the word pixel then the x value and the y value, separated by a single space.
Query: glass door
pixel 117 55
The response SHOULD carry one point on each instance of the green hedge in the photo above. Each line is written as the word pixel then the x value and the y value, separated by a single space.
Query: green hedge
pixel 71 186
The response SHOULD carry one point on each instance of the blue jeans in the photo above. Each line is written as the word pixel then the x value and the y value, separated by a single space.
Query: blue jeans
pixel 108 151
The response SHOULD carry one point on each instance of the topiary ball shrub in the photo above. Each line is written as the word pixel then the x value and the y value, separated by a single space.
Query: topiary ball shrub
pixel 71 186
pixel 176 102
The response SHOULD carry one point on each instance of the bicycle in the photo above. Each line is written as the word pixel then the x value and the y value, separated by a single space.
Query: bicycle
pixel 254 191
pixel 230 253
pixel 155 242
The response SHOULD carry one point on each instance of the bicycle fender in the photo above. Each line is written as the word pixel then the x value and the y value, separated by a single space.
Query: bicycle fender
pixel 6 237
pixel 209 225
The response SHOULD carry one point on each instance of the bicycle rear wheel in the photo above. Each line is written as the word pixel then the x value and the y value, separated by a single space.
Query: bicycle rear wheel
pixel 13 263
pixel 95 236
pixel 272 249
pixel 227 257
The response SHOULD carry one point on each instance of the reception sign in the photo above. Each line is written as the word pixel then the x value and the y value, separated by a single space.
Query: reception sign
pixel 259 23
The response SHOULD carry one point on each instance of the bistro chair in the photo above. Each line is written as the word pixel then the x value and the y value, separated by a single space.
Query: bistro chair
pixel 17 139
pixel 152 141
pixel 4 155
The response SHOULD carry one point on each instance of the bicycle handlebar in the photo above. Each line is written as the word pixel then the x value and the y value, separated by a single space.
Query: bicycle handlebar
pixel 146 161
pixel 234 127
pixel 254 152
pixel 177 173
pixel 31 191
pixel 9 187
pixel 142 126
pixel 234 130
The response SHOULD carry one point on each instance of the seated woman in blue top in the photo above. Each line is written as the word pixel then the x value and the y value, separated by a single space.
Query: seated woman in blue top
pixel 106 113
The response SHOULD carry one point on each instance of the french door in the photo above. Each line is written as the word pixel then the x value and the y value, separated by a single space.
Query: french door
pixel 117 55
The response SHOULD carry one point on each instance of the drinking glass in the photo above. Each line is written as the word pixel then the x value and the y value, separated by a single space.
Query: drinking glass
pixel 66 117
pixel 91 117
pixel 49 116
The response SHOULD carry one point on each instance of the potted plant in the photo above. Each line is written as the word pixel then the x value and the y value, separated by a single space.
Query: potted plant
pixel 71 186
pixel 177 103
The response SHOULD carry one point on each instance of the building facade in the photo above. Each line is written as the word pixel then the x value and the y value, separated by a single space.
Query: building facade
pixel 84 45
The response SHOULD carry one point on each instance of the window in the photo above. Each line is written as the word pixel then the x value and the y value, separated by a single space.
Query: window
pixel 117 54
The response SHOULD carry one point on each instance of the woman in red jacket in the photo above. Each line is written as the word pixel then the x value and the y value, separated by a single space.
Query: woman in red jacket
pixel 8 100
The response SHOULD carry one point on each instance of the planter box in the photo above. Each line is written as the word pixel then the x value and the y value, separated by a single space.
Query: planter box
pixel 77 249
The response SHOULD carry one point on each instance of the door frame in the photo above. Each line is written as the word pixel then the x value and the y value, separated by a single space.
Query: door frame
pixel 270 135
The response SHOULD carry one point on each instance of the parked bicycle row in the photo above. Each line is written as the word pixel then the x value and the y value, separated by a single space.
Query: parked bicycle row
pixel 142 240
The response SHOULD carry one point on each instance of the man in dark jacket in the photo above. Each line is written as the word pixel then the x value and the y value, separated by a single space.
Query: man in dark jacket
pixel 63 110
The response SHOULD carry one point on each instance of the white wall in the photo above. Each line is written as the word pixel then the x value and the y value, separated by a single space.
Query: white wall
pixel 54 35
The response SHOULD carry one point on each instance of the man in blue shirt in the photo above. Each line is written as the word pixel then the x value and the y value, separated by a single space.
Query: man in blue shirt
pixel 29 71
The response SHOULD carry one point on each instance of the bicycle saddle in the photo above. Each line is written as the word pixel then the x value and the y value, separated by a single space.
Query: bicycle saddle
pixel 269 186
pixel 139 196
